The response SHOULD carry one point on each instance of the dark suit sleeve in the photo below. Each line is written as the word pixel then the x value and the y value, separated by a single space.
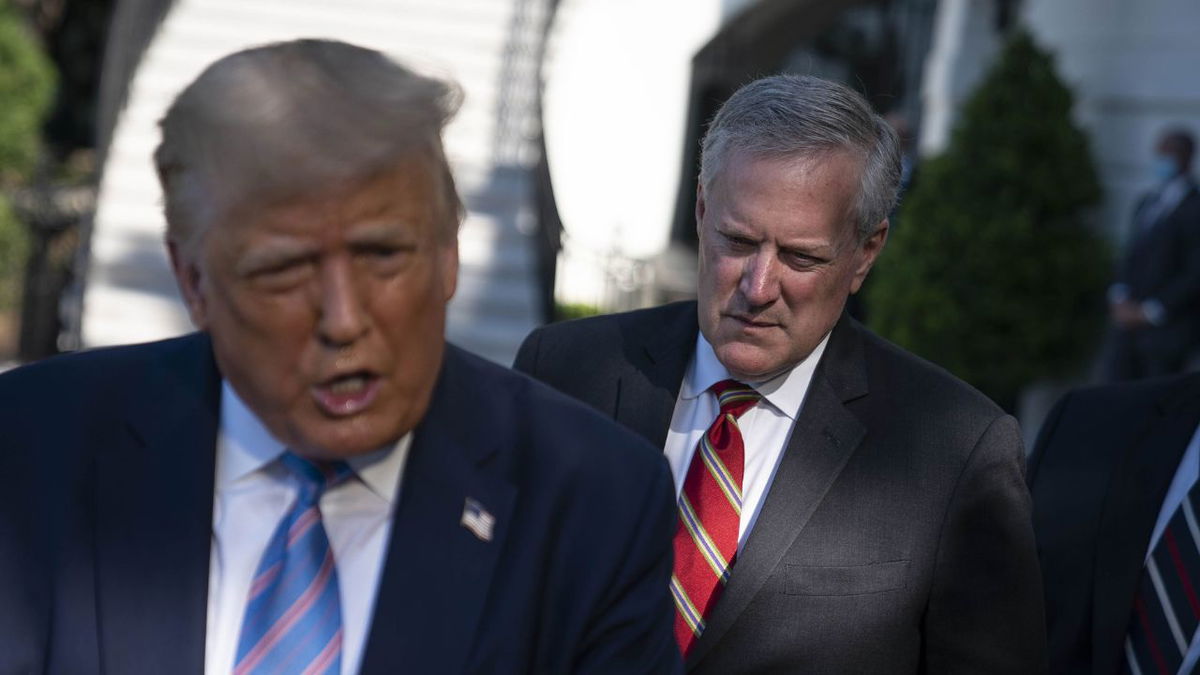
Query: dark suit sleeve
pixel 633 630
pixel 1043 440
pixel 1181 291
pixel 526 360
pixel 1123 272
pixel 985 612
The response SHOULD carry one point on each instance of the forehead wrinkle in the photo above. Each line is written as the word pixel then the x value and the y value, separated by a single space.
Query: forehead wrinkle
pixel 381 229
pixel 734 222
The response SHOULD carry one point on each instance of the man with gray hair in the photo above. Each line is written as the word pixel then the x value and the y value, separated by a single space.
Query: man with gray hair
pixel 844 507
pixel 315 482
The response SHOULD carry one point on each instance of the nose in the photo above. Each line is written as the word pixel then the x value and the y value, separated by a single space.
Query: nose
pixel 342 316
pixel 759 284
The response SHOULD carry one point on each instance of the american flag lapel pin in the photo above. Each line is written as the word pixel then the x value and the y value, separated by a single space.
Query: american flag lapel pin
pixel 477 519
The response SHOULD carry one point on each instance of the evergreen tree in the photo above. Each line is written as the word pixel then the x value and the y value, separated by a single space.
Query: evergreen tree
pixel 26 88
pixel 994 274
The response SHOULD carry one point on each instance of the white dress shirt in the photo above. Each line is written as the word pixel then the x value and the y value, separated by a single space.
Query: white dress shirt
pixel 1185 477
pixel 765 428
pixel 253 492
pixel 1166 200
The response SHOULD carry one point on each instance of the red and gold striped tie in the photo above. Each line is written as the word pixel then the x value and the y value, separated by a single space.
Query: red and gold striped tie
pixel 710 508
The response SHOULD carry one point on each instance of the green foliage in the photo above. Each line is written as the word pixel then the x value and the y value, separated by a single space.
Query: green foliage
pixel 14 249
pixel 26 88
pixel 993 273
pixel 574 310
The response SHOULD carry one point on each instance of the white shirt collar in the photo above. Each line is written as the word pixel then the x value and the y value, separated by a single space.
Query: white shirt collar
pixel 785 391
pixel 249 448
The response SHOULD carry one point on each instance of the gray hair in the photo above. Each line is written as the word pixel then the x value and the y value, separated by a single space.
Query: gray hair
pixel 807 117
pixel 285 120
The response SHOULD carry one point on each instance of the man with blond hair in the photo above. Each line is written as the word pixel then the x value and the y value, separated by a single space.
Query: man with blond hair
pixel 315 482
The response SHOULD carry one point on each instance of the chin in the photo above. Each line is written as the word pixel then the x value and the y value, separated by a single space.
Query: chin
pixel 327 451
pixel 739 353
pixel 343 443
pixel 743 369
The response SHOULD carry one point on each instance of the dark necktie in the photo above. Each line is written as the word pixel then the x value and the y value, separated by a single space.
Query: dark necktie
pixel 1166 609
pixel 710 508
pixel 293 619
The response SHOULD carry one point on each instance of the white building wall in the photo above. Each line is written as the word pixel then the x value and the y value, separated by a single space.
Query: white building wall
pixel 1130 63
pixel 1133 66
pixel 614 112
pixel 964 44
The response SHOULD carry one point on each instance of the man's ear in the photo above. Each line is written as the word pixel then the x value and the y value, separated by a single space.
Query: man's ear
pixel 190 279
pixel 868 252
pixel 447 256
pixel 700 206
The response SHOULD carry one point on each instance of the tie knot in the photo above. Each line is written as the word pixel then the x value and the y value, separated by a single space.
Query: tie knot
pixel 315 476
pixel 734 397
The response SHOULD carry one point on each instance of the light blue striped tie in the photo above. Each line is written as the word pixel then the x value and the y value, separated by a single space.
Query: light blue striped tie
pixel 293 620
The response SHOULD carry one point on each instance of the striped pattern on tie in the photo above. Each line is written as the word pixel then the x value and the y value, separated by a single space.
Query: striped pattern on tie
pixel 1166 609
pixel 293 619
pixel 710 509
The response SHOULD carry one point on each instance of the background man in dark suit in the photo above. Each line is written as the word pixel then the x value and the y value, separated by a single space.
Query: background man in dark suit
pixel 1155 300
pixel 854 509
pixel 1111 474
pixel 316 482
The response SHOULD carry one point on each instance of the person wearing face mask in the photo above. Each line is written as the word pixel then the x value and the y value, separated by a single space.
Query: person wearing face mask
pixel 1154 300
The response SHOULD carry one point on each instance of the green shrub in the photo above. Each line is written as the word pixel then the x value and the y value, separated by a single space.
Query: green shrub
pixel 14 249
pixel 993 273
pixel 26 88
pixel 564 311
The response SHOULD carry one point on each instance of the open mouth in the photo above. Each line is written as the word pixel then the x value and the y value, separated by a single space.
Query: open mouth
pixel 346 395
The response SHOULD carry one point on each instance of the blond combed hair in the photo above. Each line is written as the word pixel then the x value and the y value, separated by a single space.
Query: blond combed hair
pixel 286 120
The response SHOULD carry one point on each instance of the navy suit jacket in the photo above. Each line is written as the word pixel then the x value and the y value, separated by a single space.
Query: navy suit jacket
pixel 1104 461
pixel 108 526
pixel 1161 262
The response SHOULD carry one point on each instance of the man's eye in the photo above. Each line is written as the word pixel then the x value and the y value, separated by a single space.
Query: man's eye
pixel 384 252
pixel 738 243
pixel 384 257
pixel 282 275
pixel 800 261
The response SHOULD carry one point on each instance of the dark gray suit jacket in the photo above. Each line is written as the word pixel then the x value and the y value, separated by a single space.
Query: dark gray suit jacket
pixel 896 535
pixel 1103 463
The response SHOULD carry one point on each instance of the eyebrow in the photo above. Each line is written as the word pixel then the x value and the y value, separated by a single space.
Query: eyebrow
pixel 273 255
pixel 731 228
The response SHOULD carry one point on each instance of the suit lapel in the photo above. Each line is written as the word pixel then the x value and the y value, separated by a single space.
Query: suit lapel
pixel 437 572
pixel 1129 515
pixel 154 495
pixel 823 438
pixel 647 391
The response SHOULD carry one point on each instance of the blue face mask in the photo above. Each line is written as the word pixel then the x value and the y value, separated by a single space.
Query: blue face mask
pixel 1164 168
